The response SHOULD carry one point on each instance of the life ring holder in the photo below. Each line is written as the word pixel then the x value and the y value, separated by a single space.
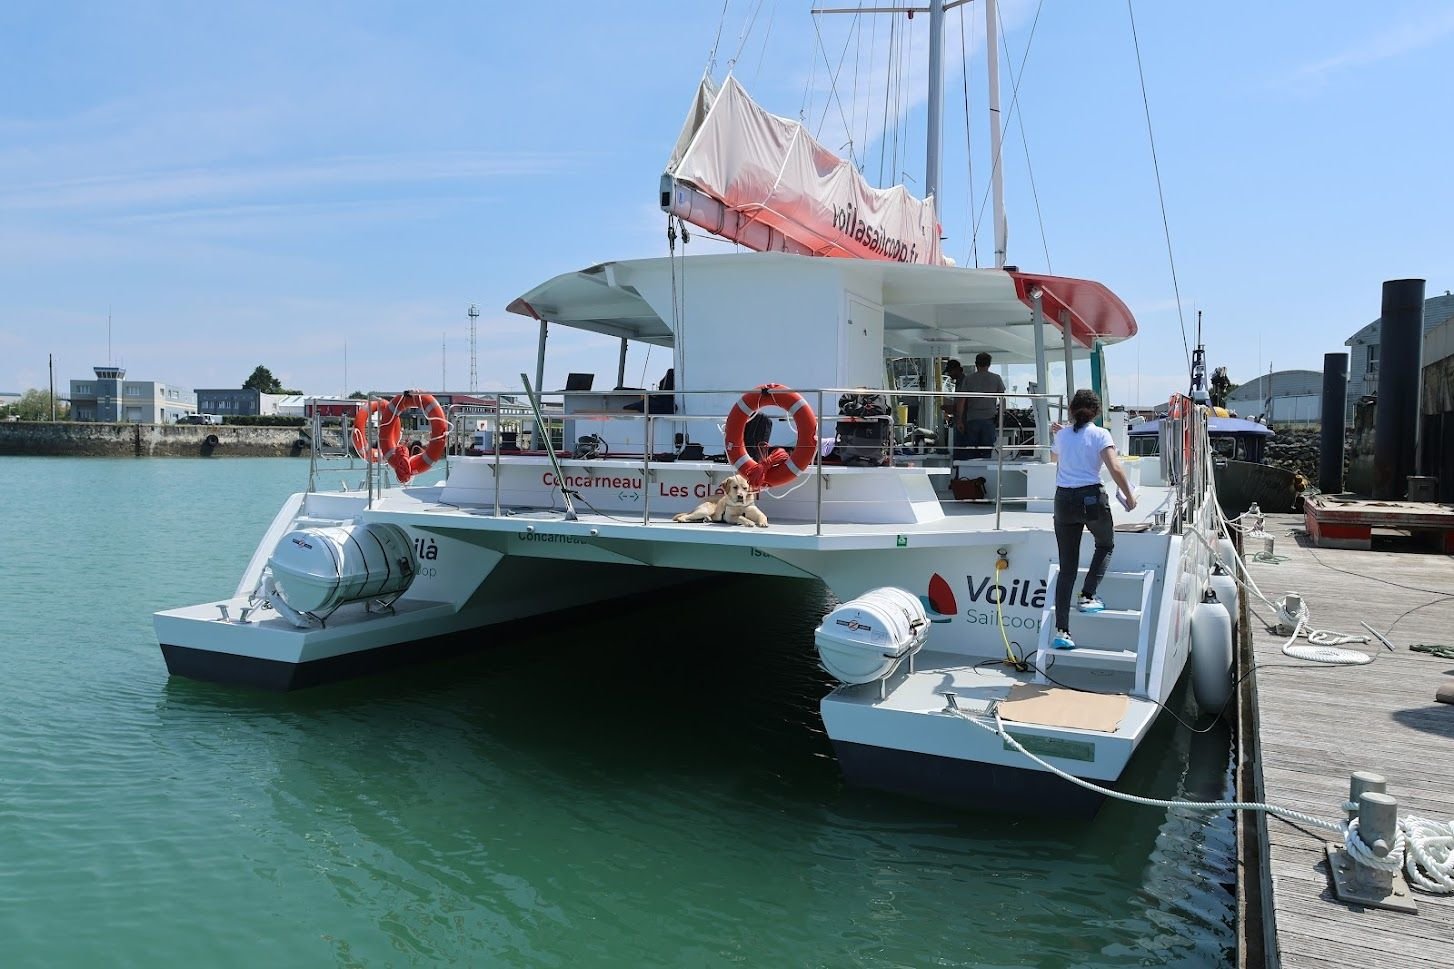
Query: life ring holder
pixel 775 472
pixel 361 416
pixel 407 465
pixel 1178 410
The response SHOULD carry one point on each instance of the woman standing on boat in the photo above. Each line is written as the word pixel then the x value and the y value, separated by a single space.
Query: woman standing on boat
pixel 1079 450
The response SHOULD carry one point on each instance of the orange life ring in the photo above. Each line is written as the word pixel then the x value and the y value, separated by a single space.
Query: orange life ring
pixel 407 465
pixel 779 469
pixel 361 416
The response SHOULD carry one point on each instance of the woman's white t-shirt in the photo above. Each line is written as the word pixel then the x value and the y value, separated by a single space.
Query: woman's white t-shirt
pixel 1079 455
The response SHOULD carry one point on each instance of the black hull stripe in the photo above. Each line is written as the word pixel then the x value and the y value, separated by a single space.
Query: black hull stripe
pixel 969 785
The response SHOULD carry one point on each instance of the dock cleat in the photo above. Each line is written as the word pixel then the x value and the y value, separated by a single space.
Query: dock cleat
pixel 1062 640
pixel 1091 604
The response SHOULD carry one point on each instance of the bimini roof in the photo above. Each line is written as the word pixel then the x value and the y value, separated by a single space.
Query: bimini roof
pixel 928 310
pixel 1215 425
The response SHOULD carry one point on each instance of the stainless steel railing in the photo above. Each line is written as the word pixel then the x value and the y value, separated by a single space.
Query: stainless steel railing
pixel 901 433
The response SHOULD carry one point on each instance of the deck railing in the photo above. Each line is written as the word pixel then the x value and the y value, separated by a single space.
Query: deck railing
pixel 905 441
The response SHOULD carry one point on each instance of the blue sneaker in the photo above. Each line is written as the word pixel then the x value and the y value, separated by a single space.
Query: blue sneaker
pixel 1062 640
pixel 1091 604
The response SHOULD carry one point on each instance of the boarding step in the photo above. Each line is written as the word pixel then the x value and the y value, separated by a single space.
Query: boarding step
pixel 1082 656
pixel 1112 640
pixel 1118 590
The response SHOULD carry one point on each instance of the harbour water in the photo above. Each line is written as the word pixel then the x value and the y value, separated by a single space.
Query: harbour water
pixel 641 787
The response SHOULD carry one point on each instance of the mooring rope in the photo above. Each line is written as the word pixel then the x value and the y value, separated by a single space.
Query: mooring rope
pixel 1423 848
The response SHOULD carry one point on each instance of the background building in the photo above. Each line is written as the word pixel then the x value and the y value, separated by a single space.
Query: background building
pixel 237 402
pixel 110 397
pixel 1364 345
pixel 1281 397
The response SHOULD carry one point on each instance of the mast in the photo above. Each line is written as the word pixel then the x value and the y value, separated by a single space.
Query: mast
pixel 997 176
pixel 932 151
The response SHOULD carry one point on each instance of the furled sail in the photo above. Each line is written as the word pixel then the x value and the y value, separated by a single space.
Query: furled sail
pixel 762 181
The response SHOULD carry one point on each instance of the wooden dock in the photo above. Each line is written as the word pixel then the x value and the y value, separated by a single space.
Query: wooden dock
pixel 1304 728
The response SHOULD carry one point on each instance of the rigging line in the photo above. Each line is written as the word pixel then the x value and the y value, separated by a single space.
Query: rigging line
pixel 712 56
pixel 833 86
pixel 968 154
pixel 903 112
pixel 771 18
pixel 898 106
pixel 872 55
pixel 883 139
pixel 1010 115
pixel 746 33
pixel 857 56
pixel 1160 196
pixel 1025 143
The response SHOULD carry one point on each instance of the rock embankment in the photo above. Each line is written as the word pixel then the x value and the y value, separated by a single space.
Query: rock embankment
pixel 1298 449
pixel 68 438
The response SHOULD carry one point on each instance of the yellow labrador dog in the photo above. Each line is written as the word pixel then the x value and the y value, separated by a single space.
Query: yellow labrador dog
pixel 734 506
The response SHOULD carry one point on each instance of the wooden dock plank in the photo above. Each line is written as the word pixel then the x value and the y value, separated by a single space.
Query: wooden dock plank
pixel 1316 725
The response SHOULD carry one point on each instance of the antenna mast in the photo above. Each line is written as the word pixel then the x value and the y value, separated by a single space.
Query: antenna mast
pixel 1199 367
pixel 474 315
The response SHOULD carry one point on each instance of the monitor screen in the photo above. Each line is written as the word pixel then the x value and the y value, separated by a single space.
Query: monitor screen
pixel 579 381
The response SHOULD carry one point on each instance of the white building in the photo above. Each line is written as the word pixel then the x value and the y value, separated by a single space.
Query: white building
pixel 1363 355
pixel 1281 397
pixel 111 397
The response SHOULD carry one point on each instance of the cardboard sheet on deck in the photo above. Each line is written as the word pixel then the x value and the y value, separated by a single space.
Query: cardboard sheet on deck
pixel 1053 706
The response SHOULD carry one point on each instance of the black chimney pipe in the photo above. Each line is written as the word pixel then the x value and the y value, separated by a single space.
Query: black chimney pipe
pixel 1400 376
pixel 1335 403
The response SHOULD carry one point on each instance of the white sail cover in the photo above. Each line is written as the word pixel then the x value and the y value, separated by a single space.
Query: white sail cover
pixel 768 169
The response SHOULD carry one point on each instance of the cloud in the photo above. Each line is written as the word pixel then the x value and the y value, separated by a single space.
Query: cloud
pixel 1400 38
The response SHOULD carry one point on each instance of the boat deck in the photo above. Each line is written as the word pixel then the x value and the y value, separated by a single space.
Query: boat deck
pixel 1314 725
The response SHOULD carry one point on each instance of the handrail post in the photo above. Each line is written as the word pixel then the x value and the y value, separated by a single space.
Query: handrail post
pixel 646 470
pixel 1000 468
pixel 818 465
pixel 495 439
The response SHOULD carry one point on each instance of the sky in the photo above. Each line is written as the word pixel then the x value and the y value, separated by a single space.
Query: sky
pixel 325 188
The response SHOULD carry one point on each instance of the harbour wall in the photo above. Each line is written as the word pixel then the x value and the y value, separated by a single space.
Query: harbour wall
pixel 92 439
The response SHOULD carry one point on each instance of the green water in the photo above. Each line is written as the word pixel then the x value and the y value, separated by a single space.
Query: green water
pixel 607 793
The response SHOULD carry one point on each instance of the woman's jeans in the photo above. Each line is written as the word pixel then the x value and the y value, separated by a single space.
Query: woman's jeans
pixel 1077 508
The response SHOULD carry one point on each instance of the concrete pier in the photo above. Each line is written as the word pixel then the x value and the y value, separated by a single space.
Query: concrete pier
pixel 78 438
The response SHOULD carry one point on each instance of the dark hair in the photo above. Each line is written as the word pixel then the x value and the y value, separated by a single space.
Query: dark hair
pixel 982 360
pixel 1084 407
pixel 953 365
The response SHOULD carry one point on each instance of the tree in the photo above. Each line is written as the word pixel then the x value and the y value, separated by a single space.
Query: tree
pixel 263 381
pixel 358 395
pixel 35 405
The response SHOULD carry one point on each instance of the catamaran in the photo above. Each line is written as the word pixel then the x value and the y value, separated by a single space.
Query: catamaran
pixel 945 591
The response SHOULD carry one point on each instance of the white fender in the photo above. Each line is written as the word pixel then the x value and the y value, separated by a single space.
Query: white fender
pixel 1211 656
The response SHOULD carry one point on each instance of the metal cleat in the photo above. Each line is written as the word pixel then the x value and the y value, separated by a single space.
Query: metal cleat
pixel 1375 879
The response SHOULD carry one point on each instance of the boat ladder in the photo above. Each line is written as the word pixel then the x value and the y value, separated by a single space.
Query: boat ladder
pixel 1114 640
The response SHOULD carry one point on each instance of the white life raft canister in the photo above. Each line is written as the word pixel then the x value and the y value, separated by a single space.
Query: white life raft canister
pixel 318 569
pixel 866 638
